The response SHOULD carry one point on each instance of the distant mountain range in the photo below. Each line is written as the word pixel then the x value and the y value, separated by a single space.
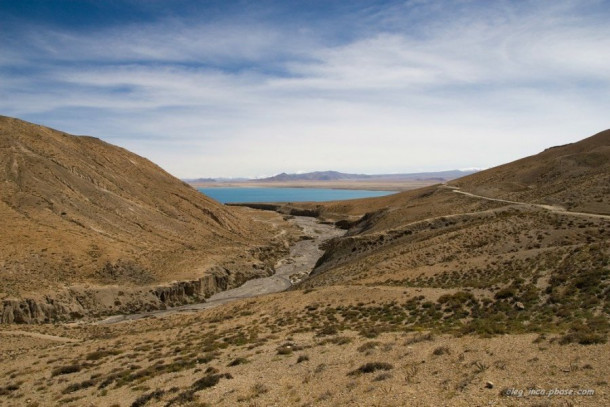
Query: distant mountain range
pixel 205 180
pixel 440 176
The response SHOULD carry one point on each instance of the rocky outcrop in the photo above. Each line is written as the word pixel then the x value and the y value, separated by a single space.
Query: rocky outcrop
pixel 283 208
pixel 217 279
pixel 77 303
pixel 28 311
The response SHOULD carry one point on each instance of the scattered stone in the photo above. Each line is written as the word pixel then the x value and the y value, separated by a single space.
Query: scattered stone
pixel 489 385
pixel 520 306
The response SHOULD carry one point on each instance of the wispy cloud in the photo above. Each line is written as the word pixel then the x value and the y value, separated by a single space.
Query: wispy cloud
pixel 407 87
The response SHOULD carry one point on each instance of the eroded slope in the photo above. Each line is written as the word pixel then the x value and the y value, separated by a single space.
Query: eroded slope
pixel 78 212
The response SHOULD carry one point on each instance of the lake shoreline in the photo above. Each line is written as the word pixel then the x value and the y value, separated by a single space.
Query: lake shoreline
pixel 231 195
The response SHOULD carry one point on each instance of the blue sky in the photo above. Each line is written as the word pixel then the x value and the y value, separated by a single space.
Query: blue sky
pixel 254 88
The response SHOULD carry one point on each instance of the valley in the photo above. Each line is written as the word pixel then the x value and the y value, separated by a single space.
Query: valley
pixel 372 203
pixel 468 292
pixel 289 270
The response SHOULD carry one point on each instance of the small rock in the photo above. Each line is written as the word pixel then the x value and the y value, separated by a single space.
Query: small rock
pixel 520 305
pixel 489 385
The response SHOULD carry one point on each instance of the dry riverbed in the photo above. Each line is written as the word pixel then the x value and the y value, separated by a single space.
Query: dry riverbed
pixel 289 270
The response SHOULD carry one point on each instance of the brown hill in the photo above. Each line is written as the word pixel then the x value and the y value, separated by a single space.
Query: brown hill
pixel 77 210
pixel 517 258
pixel 575 176
pixel 425 301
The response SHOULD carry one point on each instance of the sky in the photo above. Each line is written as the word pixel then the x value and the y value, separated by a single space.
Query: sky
pixel 255 88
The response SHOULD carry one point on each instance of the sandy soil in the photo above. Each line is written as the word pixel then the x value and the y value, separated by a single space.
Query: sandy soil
pixel 275 351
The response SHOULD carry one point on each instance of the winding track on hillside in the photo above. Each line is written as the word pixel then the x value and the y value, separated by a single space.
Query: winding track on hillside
pixel 294 267
pixel 553 208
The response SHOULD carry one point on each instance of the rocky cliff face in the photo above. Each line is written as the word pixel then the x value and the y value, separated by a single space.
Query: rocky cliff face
pixel 77 303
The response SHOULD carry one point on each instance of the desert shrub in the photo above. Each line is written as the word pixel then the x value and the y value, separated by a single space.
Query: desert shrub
pixel 284 350
pixel 583 338
pixel 479 366
pixel 209 381
pixel 441 350
pixel 74 368
pixel 420 338
pixel 287 348
pixel 99 354
pixel 382 376
pixel 459 298
pixel 492 325
pixel 259 388
pixel 183 398
pixel 238 361
pixel 188 396
pixel 504 293
pixel 8 389
pixel 594 331
pixel 327 395
pixel 328 330
pixel 207 357
pixel 123 377
pixel 371 367
pixel 145 398
pixel 338 340
pixel 368 346
pixel 371 331
pixel 78 386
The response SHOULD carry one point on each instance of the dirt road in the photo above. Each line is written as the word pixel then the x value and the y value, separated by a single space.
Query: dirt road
pixel 552 208
pixel 289 270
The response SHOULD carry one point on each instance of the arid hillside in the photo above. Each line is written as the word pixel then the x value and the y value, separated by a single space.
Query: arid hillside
pixel 575 176
pixel 513 262
pixel 80 214
pixel 434 297
pixel 333 346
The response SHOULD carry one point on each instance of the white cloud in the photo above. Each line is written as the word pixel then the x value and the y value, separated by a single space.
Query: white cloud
pixel 233 100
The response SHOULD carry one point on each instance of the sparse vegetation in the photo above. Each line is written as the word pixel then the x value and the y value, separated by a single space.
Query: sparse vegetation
pixel 100 354
pixel 145 398
pixel 414 298
pixel 441 350
pixel 64 370
pixel 238 361
pixel 371 367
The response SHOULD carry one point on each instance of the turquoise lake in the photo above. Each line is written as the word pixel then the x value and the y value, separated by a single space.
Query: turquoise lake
pixel 237 195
